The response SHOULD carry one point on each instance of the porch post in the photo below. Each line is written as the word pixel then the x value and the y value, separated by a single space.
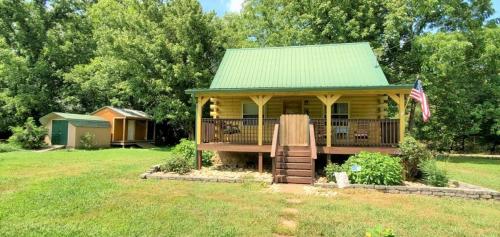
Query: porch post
pixel 124 130
pixel 199 111
pixel 328 101
pixel 401 108
pixel 146 133
pixel 400 101
pixel 260 162
pixel 260 100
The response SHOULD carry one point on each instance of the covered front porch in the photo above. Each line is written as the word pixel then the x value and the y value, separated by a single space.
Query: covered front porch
pixel 344 123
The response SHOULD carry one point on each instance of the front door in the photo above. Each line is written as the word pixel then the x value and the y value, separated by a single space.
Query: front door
pixel 131 130
pixel 59 132
pixel 292 107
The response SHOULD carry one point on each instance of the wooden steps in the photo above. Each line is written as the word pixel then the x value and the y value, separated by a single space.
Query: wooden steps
pixel 293 165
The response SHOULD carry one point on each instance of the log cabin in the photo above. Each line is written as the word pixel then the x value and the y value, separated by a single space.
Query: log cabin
pixel 293 103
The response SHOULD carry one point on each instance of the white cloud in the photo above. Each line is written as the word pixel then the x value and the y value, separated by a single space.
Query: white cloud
pixel 235 5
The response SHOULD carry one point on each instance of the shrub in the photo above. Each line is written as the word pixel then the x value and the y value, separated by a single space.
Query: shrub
pixel 379 232
pixel 432 174
pixel 187 148
pixel 87 141
pixel 374 168
pixel 29 135
pixel 7 147
pixel 177 163
pixel 330 170
pixel 412 153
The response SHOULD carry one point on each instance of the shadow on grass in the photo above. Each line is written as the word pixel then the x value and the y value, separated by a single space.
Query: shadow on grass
pixel 469 160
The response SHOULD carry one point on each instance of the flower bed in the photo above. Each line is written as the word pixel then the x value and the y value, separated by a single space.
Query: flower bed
pixel 211 174
pixel 421 189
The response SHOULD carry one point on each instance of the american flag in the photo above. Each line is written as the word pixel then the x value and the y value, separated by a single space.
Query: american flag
pixel 417 93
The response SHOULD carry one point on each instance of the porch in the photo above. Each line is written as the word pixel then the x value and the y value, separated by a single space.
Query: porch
pixel 349 136
pixel 129 131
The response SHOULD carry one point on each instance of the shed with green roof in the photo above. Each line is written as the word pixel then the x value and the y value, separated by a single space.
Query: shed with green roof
pixel 68 129
pixel 340 88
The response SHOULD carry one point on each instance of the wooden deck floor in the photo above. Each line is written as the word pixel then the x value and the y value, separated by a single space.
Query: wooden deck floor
pixel 335 150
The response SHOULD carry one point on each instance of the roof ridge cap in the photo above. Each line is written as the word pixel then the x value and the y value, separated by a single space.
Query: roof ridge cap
pixel 299 46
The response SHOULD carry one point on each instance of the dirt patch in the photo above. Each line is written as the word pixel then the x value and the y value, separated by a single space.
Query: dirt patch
pixel 290 224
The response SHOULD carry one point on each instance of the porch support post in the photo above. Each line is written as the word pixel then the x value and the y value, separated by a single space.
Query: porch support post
pixel 146 133
pixel 124 130
pixel 400 101
pixel 199 111
pixel 328 101
pixel 198 159
pixel 260 162
pixel 260 100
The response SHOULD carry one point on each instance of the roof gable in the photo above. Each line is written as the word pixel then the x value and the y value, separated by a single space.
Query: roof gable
pixel 313 66
pixel 78 120
pixel 129 113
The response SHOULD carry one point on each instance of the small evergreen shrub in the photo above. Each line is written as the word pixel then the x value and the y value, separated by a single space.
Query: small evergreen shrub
pixel 412 154
pixel 187 148
pixel 374 168
pixel 7 147
pixel 330 170
pixel 177 163
pixel 87 141
pixel 28 136
pixel 432 174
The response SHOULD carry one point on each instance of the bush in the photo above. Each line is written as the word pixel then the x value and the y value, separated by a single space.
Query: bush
pixel 187 148
pixel 28 136
pixel 432 174
pixel 7 147
pixel 412 153
pixel 87 141
pixel 374 168
pixel 330 169
pixel 379 232
pixel 177 163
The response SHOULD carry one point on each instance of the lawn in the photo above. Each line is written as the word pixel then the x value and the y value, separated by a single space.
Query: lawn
pixel 98 193
pixel 473 170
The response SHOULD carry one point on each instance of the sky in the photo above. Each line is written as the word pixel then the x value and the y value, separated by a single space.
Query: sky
pixel 223 6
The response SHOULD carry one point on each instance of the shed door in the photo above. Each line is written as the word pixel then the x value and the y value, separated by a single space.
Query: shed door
pixel 59 132
pixel 131 130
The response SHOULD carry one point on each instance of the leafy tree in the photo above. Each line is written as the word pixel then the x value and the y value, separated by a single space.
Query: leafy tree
pixel 39 41
pixel 148 53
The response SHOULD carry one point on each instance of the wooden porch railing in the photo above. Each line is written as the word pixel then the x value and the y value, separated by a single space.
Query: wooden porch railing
pixel 359 132
pixel 236 131
pixel 345 132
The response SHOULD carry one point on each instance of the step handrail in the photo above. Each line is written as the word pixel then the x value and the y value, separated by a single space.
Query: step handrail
pixel 312 142
pixel 274 146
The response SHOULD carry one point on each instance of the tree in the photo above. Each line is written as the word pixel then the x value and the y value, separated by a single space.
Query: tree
pixel 148 53
pixel 41 40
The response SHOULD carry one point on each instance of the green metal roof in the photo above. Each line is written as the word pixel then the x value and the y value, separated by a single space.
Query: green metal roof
pixel 312 66
pixel 78 120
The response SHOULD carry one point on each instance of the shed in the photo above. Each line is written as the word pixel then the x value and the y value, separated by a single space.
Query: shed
pixel 67 129
pixel 128 126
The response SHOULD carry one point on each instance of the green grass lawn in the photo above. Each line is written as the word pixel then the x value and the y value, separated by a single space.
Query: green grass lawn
pixel 478 171
pixel 99 193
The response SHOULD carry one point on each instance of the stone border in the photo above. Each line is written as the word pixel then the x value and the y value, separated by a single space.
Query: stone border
pixel 151 174
pixel 430 191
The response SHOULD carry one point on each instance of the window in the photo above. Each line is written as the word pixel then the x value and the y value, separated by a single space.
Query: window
pixel 340 111
pixel 250 110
